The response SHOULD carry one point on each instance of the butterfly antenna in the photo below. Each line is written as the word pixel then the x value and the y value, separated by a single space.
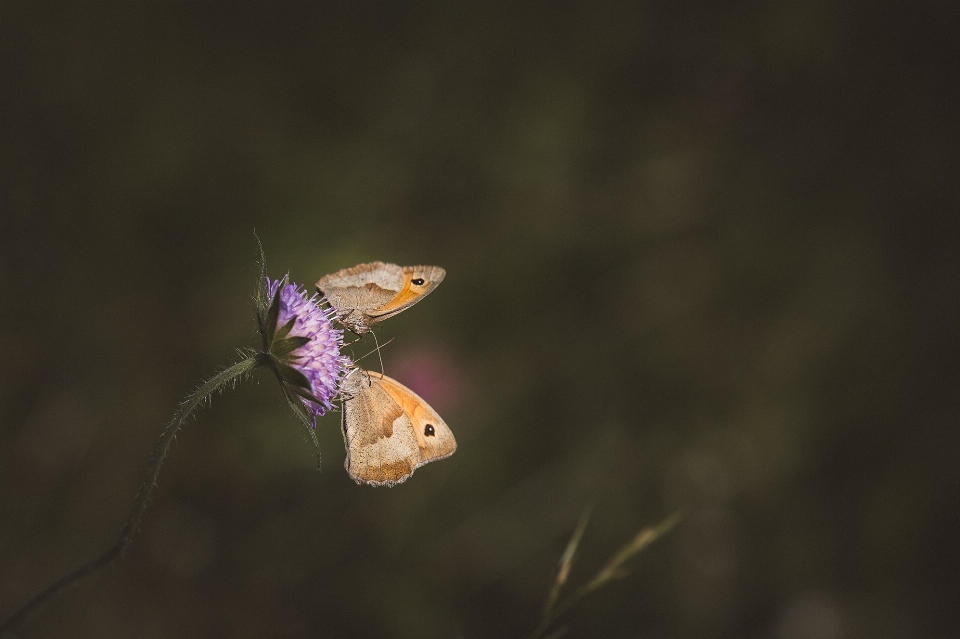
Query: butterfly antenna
pixel 377 342
pixel 377 351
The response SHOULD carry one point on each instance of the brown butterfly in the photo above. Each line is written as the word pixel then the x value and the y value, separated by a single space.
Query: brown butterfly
pixel 369 293
pixel 388 430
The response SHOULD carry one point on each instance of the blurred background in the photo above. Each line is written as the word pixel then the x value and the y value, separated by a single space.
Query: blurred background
pixel 702 258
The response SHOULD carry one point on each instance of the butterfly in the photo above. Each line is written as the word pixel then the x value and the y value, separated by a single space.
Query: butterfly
pixel 369 293
pixel 388 430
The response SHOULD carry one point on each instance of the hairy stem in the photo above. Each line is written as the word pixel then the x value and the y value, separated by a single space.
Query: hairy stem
pixel 195 399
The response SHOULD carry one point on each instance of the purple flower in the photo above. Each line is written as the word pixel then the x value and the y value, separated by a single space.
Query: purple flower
pixel 304 347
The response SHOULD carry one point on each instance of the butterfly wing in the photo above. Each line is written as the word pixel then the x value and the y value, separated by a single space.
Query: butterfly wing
pixel 418 282
pixel 369 293
pixel 355 292
pixel 388 431
pixel 381 446
pixel 434 438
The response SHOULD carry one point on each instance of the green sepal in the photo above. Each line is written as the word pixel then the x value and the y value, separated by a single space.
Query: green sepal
pixel 290 375
pixel 303 393
pixel 272 314
pixel 284 330
pixel 261 297
pixel 308 420
pixel 263 331
pixel 283 347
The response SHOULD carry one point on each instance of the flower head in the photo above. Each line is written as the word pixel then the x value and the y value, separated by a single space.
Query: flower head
pixel 303 346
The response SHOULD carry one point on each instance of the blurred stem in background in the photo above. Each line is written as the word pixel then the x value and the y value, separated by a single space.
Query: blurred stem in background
pixel 302 349
pixel 613 569
pixel 228 375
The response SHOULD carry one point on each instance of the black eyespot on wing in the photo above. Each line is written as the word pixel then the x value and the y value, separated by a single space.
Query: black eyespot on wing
pixel 428 431
pixel 417 282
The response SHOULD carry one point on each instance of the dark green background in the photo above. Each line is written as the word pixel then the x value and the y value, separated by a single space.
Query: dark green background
pixel 701 257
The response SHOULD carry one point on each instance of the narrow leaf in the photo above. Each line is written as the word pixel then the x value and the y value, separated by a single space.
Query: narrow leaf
pixel 272 314
pixel 283 347
pixel 305 420
pixel 612 570
pixel 303 393
pixel 566 562
pixel 290 375
pixel 284 330
pixel 261 299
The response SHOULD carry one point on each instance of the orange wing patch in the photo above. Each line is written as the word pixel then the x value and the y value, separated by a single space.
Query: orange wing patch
pixel 405 399
pixel 406 294
pixel 436 444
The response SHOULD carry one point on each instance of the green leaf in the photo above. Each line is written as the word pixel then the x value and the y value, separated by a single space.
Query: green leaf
pixel 272 314
pixel 283 347
pixel 304 393
pixel 262 284
pixel 290 375
pixel 284 330
pixel 566 562
pixel 309 423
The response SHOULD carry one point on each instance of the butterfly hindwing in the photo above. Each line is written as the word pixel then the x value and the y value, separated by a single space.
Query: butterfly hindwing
pixel 388 430
pixel 434 437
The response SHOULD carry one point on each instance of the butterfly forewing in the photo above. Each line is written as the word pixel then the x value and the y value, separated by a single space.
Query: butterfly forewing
pixel 369 293
pixel 418 282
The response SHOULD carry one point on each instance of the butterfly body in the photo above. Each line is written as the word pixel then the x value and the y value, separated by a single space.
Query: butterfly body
pixel 369 293
pixel 388 430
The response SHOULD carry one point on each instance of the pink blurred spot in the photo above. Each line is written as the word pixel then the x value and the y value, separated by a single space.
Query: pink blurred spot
pixel 431 372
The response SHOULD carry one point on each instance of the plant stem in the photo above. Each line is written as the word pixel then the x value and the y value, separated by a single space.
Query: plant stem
pixel 612 570
pixel 197 397
pixel 566 562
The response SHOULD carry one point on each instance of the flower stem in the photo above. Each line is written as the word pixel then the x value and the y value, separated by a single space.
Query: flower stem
pixel 195 399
